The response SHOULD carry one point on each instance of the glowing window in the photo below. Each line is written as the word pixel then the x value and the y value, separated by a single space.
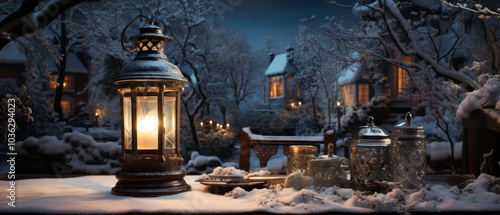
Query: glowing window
pixel 67 84
pixel 363 93
pixel 348 94
pixel 275 86
pixel 66 106
pixel 403 76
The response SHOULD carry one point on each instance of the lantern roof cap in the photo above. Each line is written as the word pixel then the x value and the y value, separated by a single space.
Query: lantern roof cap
pixel 150 63
pixel 151 30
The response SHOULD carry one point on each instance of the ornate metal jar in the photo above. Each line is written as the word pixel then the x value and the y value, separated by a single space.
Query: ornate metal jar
pixel 298 157
pixel 328 170
pixel 370 151
pixel 408 156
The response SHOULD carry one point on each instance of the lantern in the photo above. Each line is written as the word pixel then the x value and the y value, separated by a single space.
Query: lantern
pixel 408 156
pixel 150 89
pixel 370 151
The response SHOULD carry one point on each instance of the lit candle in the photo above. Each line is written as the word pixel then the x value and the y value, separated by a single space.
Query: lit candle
pixel 147 133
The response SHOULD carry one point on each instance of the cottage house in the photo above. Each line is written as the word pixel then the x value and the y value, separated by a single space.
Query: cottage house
pixel 280 72
pixel 75 80
pixel 354 85
pixel 13 66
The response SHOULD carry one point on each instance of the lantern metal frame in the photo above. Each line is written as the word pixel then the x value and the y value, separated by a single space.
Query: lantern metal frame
pixel 150 79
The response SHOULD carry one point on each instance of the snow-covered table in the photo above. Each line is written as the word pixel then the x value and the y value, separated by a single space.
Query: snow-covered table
pixel 91 194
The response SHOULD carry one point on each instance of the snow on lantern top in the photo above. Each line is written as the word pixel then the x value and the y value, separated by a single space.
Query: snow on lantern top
pixel 150 63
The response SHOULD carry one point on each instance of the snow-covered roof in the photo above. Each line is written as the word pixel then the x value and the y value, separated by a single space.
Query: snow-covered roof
pixel 348 75
pixel 352 73
pixel 73 64
pixel 12 53
pixel 280 65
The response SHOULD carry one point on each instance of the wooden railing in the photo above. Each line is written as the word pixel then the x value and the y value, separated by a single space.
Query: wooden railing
pixel 265 146
pixel 481 135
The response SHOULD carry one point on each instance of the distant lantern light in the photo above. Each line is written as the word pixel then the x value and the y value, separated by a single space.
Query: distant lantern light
pixel 201 123
pixel 150 89
pixel 227 125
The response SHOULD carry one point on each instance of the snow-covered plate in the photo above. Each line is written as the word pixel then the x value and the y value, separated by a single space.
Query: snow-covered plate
pixel 221 187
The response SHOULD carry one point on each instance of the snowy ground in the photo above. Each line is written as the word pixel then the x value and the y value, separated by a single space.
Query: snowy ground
pixel 92 195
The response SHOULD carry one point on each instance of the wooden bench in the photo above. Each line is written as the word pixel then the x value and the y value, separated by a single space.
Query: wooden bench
pixel 265 146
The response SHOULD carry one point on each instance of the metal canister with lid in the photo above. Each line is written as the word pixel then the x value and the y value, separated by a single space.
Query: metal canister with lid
pixel 298 155
pixel 328 170
pixel 370 151
pixel 408 155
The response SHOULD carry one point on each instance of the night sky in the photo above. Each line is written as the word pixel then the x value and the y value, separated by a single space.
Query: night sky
pixel 277 19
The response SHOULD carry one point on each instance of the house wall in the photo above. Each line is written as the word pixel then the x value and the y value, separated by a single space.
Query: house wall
pixel 13 71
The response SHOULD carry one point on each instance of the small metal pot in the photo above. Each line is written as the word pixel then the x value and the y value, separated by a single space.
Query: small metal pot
pixel 298 156
pixel 328 170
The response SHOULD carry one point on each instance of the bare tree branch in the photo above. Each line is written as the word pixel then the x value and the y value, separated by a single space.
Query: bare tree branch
pixel 26 20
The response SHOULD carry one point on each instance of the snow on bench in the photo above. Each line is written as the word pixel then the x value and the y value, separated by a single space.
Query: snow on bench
pixel 265 146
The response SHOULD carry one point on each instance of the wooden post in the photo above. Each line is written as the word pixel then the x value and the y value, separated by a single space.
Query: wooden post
pixel 244 151
pixel 330 138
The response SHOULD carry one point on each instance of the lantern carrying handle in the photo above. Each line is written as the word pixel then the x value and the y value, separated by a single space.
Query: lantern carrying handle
pixel 125 29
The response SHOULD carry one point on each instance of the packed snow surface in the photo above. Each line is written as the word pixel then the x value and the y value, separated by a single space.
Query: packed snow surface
pixel 92 194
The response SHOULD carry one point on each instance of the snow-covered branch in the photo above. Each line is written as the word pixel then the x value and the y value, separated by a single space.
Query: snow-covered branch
pixel 415 49
pixel 26 20
pixel 481 11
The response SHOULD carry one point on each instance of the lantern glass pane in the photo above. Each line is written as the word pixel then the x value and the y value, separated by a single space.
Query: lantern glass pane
pixel 169 111
pixel 147 122
pixel 127 122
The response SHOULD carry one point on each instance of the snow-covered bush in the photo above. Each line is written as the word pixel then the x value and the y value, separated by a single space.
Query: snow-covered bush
pixel 75 153
pixel 377 108
pixel 44 119
pixel 217 142
pixel 200 164
pixel 300 118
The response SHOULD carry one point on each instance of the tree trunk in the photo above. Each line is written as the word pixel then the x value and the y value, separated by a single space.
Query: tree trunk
pixel 61 69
